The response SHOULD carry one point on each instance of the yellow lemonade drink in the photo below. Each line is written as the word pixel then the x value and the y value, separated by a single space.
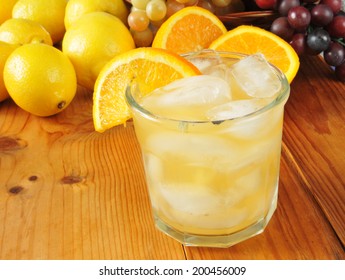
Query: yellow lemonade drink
pixel 211 147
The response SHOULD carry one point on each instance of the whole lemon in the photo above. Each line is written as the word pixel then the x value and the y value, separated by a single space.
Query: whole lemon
pixel 24 31
pixel 76 8
pixel 49 13
pixel 5 50
pixel 40 79
pixel 92 41
pixel 6 9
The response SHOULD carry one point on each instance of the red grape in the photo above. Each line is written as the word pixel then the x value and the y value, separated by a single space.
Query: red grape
pixel 299 43
pixel 281 27
pixel 335 5
pixel 299 18
pixel 284 6
pixel 313 27
pixel 340 72
pixel 266 4
pixel 335 54
pixel 336 28
pixel 318 40
pixel 321 15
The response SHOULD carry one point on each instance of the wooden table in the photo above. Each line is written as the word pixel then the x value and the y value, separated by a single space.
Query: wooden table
pixel 67 192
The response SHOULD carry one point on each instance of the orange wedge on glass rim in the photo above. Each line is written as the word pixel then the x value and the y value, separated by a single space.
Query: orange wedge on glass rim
pixel 149 68
pixel 251 39
pixel 190 29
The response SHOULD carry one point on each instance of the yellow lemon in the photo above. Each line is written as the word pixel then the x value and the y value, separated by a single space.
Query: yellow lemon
pixel 40 79
pixel 76 8
pixel 24 31
pixel 92 41
pixel 6 9
pixel 5 50
pixel 49 13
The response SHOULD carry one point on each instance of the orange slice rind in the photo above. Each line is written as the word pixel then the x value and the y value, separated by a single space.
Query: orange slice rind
pixel 251 39
pixel 150 68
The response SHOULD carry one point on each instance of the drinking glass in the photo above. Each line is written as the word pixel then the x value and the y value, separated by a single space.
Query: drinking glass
pixel 212 183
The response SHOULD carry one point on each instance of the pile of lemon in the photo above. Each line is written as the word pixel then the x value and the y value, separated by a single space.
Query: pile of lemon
pixel 48 47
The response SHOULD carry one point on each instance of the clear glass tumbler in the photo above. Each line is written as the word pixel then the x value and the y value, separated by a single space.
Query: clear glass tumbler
pixel 212 183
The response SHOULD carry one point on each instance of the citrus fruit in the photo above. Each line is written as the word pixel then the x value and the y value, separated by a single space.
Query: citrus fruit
pixel 189 29
pixel 49 13
pixel 24 31
pixel 149 68
pixel 76 8
pixel 42 87
pixel 92 41
pixel 6 10
pixel 5 50
pixel 251 39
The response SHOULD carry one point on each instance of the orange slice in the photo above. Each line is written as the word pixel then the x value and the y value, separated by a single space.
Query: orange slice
pixel 150 68
pixel 189 29
pixel 250 40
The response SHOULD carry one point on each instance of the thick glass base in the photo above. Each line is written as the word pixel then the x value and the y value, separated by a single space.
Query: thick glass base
pixel 220 241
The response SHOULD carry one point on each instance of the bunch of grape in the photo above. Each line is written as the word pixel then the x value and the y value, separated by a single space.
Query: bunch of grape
pixel 313 27
pixel 146 16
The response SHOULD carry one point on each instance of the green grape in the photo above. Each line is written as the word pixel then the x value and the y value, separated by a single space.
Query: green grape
pixel 191 3
pixel 156 10
pixel 142 38
pixel 157 23
pixel 221 3
pixel 182 1
pixel 208 5
pixel 138 20
pixel 146 16
pixel 140 4
pixel 173 6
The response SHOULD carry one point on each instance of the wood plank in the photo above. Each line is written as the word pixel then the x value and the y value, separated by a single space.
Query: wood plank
pixel 315 136
pixel 67 192
pixel 298 229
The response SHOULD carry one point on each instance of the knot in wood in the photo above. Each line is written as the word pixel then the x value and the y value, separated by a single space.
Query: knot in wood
pixel 16 189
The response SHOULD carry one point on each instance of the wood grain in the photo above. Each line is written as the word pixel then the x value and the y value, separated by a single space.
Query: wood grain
pixel 67 192
pixel 315 136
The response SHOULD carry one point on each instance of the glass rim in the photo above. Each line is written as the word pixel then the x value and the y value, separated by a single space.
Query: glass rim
pixel 281 96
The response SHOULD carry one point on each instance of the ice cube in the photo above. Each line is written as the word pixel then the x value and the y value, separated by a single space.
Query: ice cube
pixel 153 166
pixel 203 64
pixel 256 126
pixel 196 90
pixel 214 66
pixel 220 70
pixel 198 149
pixel 188 98
pixel 236 109
pixel 191 199
pixel 256 77
pixel 198 207
pixel 251 181
pixel 205 60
